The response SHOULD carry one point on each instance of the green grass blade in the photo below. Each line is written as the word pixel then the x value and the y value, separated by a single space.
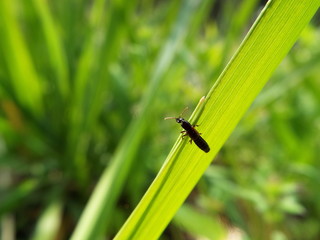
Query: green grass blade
pixel 49 223
pixel 18 60
pixel 91 82
pixel 271 37
pixel 14 198
pixel 79 113
pixel 56 53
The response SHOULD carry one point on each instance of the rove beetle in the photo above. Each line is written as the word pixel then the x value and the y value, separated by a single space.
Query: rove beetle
pixel 189 130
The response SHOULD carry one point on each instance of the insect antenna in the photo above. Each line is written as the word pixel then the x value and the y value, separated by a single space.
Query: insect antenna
pixel 166 118
pixel 184 110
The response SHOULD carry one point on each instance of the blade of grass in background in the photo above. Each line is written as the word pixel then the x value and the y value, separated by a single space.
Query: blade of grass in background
pixel 99 209
pixel 77 137
pixel 54 46
pixel 91 81
pixel 26 85
pixel 49 223
pixel 12 200
pixel 273 34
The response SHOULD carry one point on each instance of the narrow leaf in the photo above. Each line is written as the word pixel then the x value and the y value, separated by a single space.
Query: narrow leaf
pixel 267 43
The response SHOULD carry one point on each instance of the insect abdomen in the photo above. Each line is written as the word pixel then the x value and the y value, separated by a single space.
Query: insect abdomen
pixel 202 144
pixel 195 136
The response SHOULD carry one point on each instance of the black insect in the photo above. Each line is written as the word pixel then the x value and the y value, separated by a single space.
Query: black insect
pixel 189 130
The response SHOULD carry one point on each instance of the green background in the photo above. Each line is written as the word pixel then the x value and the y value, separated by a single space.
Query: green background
pixel 72 77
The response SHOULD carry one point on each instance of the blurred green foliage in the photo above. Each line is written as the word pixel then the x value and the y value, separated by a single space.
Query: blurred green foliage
pixel 72 76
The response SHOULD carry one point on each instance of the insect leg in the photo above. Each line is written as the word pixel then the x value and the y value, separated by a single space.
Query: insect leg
pixel 185 133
